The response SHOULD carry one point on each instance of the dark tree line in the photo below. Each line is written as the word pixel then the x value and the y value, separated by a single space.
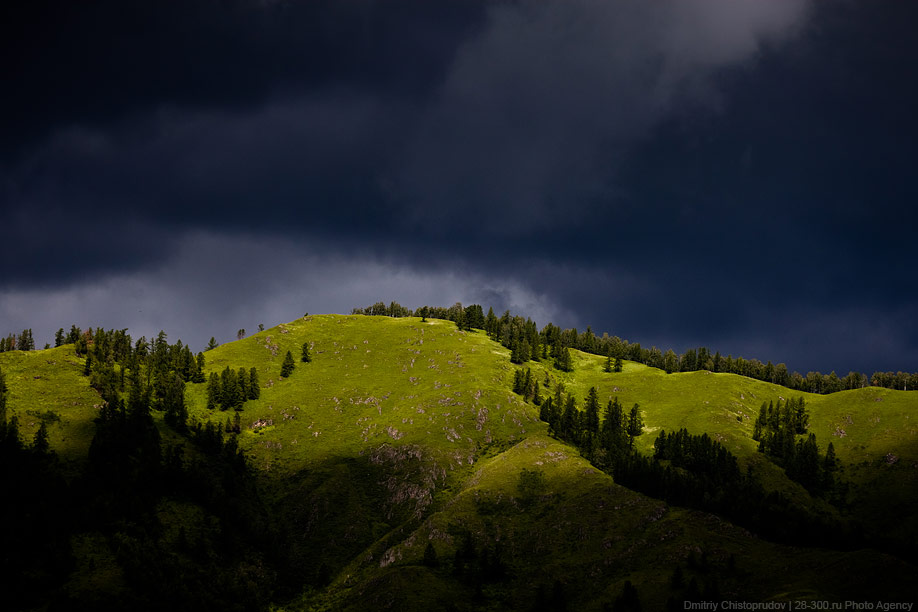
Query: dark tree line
pixel 687 470
pixel 394 309
pixel 239 561
pixel 4 392
pixel 232 388
pixel 781 431
pixel 902 381
pixel 526 385
pixel 471 317
pixel 116 366
pixel 22 342
pixel 699 455
pixel 527 343
pixel 35 556
pixel 236 564
pixel 604 436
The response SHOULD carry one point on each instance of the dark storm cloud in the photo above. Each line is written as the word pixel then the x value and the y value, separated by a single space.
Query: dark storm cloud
pixel 92 63
pixel 540 107
pixel 527 118
pixel 722 173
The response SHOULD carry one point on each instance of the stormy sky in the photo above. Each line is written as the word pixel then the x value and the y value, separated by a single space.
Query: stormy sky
pixel 737 174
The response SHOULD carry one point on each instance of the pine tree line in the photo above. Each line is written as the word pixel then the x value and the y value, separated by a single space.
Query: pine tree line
pixel 698 454
pixel 688 470
pixel 36 545
pixel 156 370
pixel 232 388
pixel 119 492
pixel 22 342
pixel 527 343
pixel 603 436
pixel 777 428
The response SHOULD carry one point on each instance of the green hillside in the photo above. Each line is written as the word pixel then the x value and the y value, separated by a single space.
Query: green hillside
pixel 49 386
pixel 372 381
pixel 582 530
pixel 399 433
pixel 874 430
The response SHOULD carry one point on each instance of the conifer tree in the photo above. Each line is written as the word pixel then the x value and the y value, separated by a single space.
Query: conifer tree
pixel 26 342
pixel 518 382
pixel 198 374
pixel 524 351
pixel 213 391
pixel 254 390
pixel 618 365
pixel 461 322
pixel 670 361
pixel 801 416
pixel 212 344
pixel 515 353
pixel 242 378
pixel 612 432
pixel 491 323
pixel 831 463
pixel 10 442
pixel 176 413
pixel 545 410
pixel 59 337
pixel 591 416
pixel 287 366
pixel 569 419
pixel 430 556
pixel 40 444
pixel 760 423
pixel 535 350
pixel 677 580
pixel 563 361
pixel 228 389
pixel 305 358
pixel 635 425
pixel 3 394
pixel 608 366
pixel 628 601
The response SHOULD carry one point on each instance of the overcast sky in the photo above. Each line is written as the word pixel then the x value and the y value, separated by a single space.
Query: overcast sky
pixel 737 174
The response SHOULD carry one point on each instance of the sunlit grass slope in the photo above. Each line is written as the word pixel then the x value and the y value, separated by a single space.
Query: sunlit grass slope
pixel 385 421
pixel 48 386
pixel 874 430
pixel 863 424
pixel 372 381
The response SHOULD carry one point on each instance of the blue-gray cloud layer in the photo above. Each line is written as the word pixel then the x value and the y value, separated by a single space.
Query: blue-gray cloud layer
pixel 727 173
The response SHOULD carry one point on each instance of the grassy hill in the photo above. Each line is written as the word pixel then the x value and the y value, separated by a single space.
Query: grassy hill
pixel 49 386
pixel 372 381
pixel 400 433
